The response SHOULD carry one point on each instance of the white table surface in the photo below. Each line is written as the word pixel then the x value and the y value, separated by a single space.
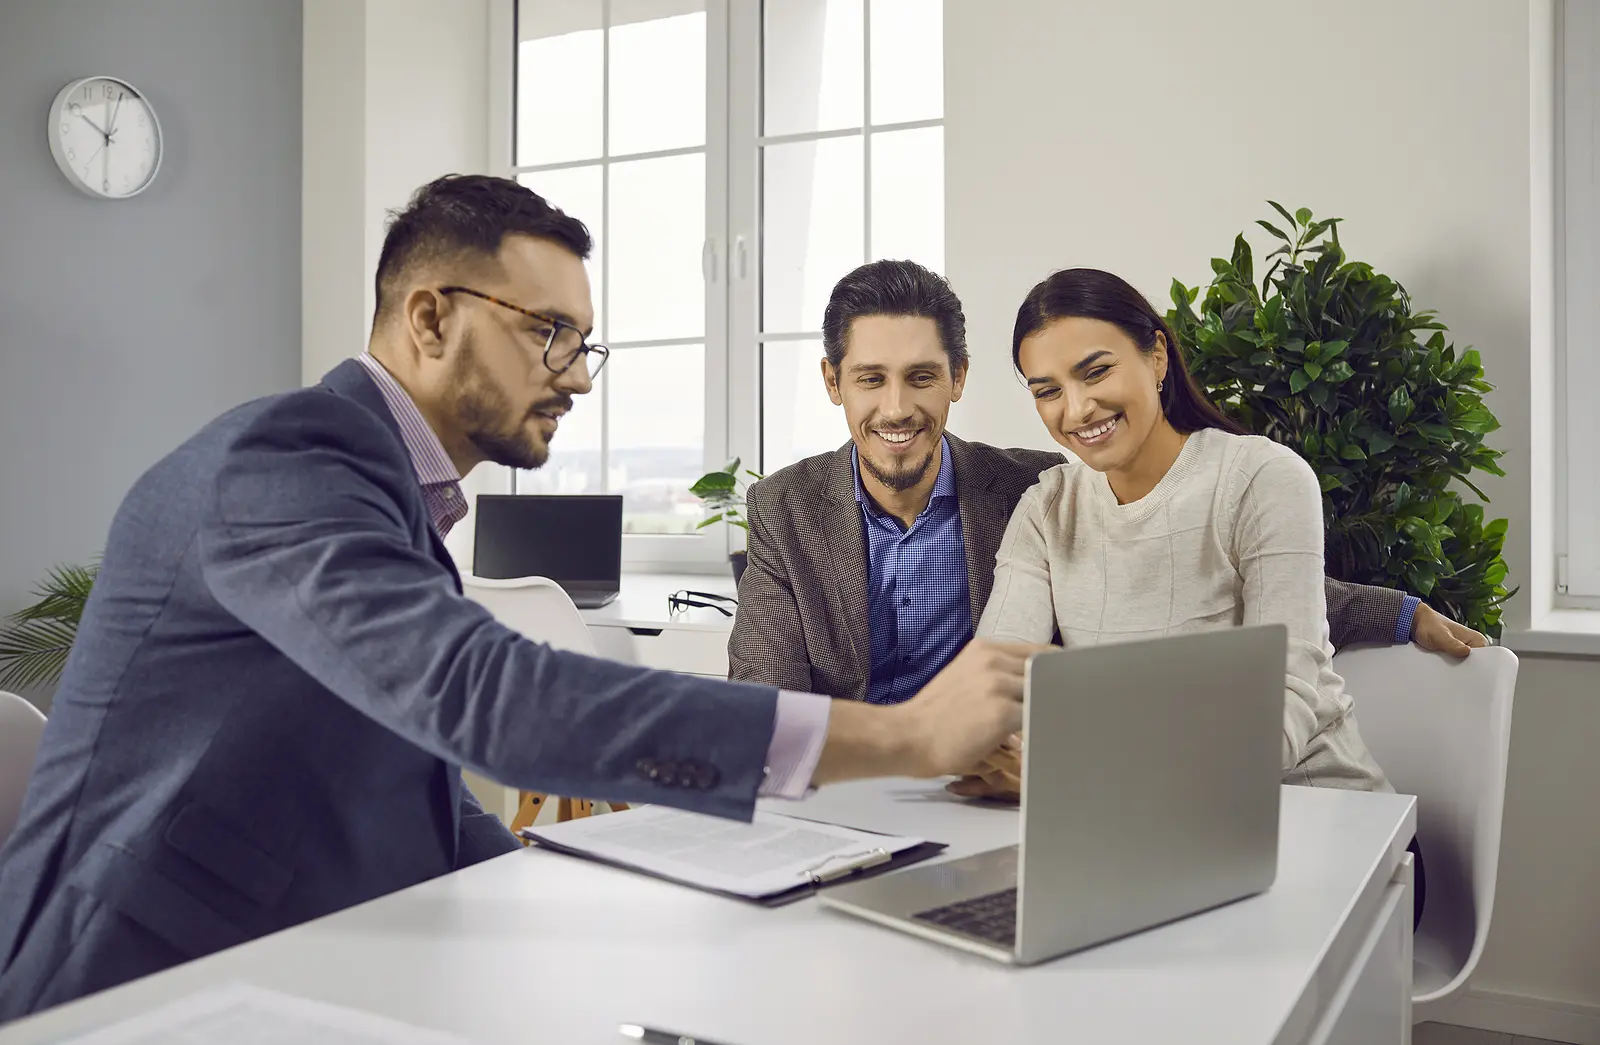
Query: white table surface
pixel 642 603
pixel 535 947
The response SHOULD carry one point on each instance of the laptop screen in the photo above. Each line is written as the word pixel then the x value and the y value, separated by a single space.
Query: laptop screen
pixel 574 540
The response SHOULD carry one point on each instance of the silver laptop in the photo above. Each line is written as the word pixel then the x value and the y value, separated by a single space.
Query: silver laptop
pixel 1150 779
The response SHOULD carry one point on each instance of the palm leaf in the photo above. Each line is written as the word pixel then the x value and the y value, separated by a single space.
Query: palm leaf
pixel 61 596
pixel 34 651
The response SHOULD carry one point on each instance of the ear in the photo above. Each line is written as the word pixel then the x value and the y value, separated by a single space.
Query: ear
pixel 425 313
pixel 958 380
pixel 1160 354
pixel 830 381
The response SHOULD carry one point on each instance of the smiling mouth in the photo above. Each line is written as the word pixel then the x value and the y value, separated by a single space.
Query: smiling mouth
pixel 897 438
pixel 1099 432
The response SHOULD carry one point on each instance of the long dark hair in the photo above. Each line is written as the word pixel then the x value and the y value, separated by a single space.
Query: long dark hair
pixel 1093 294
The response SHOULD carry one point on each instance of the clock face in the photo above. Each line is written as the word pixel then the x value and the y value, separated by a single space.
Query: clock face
pixel 105 137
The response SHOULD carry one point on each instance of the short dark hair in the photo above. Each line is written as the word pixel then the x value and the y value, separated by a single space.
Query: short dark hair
pixel 894 288
pixel 1094 294
pixel 465 215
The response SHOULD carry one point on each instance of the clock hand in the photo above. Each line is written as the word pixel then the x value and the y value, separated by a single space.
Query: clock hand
pixel 96 126
pixel 111 124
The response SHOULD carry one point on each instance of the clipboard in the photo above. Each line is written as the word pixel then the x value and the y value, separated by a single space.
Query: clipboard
pixel 803 889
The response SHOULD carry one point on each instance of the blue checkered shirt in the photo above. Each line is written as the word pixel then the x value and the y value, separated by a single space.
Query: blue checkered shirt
pixel 918 601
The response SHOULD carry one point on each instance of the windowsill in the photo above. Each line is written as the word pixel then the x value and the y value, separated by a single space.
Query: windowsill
pixel 1571 633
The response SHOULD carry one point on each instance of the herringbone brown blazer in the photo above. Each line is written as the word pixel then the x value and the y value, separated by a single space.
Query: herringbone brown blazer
pixel 802 621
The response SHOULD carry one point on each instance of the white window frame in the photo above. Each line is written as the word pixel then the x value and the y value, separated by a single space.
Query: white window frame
pixel 746 145
pixel 703 550
pixel 731 261
pixel 1577 362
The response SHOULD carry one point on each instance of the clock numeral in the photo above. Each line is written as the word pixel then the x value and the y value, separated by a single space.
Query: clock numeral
pixel 110 91
pixel 72 154
pixel 142 121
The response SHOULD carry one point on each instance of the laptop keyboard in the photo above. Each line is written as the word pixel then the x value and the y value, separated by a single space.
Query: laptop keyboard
pixel 992 917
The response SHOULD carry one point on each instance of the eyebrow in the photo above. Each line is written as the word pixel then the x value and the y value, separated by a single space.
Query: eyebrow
pixel 1078 368
pixel 570 321
pixel 879 368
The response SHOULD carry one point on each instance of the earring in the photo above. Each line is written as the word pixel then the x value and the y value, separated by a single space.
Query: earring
pixel 1160 385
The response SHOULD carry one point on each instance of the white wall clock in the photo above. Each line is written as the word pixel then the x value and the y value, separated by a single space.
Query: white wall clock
pixel 105 137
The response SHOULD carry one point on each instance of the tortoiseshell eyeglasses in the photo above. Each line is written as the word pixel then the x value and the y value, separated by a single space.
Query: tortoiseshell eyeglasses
pixel 564 344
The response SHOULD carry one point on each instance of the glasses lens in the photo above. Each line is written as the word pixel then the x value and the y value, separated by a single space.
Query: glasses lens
pixel 564 348
pixel 598 354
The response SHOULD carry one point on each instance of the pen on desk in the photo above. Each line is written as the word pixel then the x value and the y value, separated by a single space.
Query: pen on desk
pixel 848 865
pixel 656 1036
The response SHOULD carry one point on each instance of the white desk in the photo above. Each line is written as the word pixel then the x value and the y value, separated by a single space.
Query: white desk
pixel 638 628
pixel 539 948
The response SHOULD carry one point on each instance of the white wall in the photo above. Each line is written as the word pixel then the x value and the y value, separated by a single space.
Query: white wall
pixel 396 94
pixel 1141 137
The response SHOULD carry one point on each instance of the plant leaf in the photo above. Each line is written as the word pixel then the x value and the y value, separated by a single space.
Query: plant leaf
pixel 1274 230
pixel 1286 215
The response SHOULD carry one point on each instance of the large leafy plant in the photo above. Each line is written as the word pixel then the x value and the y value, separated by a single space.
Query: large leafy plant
pixel 1328 357
pixel 35 640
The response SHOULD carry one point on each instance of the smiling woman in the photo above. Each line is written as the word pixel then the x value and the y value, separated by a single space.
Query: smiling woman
pixel 1123 543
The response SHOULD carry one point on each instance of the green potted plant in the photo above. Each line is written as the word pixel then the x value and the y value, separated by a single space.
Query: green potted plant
pixel 722 492
pixel 1329 358
pixel 35 640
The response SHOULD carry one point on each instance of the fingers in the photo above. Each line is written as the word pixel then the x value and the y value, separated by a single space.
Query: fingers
pixel 1473 639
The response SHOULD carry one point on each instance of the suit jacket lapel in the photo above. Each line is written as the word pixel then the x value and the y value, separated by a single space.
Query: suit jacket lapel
pixel 847 581
pixel 984 515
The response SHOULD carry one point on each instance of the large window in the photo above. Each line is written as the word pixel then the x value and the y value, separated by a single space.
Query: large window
pixel 1578 347
pixel 733 160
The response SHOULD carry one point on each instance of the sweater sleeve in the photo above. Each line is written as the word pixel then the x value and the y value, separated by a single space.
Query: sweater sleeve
pixel 1020 607
pixel 1278 547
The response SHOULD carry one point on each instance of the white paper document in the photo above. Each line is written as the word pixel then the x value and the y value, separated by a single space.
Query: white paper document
pixel 771 855
pixel 238 1014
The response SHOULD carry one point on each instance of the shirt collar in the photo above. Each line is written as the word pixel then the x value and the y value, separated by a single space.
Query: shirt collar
pixel 943 487
pixel 432 464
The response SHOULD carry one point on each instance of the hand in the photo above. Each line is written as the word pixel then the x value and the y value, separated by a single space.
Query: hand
pixel 964 713
pixel 968 710
pixel 1432 630
pixel 998 777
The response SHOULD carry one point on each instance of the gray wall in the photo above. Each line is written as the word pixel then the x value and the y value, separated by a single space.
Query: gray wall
pixel 126 325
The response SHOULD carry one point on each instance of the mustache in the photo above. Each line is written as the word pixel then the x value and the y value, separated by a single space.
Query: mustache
pixel 898 426
pixel 562 401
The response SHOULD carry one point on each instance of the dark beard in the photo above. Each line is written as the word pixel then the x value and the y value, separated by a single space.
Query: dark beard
pixel 903 480
pixel 479 406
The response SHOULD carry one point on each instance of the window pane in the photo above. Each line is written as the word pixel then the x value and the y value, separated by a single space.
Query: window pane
pixel 574 464
pixel 907 60
pixel 797 417
pixel 657 413
pixel 908 196
pixel 812 63
pixel 658 81
pixel 559 74
pixel 811 228
pixel 658 227
pixel 576 190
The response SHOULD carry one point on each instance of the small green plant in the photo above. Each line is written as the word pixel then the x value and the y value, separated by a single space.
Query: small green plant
pixel 35 641
pixel 1328 358
pixel 722 492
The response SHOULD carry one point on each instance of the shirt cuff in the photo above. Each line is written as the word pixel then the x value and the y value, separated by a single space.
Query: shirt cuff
pixel 1408 614
pixel 798 732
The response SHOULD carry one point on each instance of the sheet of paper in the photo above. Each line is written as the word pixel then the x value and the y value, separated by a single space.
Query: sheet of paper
pixel 238 1014
pixel 770 855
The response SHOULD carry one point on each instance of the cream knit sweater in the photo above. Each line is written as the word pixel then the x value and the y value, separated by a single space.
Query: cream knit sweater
pixel 1230 536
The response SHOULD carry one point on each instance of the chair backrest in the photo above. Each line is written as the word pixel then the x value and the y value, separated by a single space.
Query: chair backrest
pixel 1441 729
pixel 535 606
pixel 21 726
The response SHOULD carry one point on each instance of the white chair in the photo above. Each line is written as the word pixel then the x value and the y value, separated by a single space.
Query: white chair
pixel 1441 728
pixel 542 610
pixel 21 726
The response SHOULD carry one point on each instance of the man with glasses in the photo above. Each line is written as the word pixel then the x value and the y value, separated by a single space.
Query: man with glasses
pixel 277 680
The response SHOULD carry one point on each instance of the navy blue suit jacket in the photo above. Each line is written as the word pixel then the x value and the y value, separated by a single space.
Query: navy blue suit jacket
pixel 274 686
